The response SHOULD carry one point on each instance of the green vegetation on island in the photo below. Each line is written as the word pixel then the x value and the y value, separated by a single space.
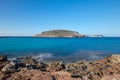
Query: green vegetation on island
pixel 59 33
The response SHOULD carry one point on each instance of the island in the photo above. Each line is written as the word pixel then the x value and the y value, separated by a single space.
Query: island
pixel 60 33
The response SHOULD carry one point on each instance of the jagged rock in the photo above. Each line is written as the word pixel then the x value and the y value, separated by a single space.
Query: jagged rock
pixel 30 63
pixel 55 66
pixel 3 58
pixel 20 65
pixel 41 66
pixel 9 68
pixel 2 64
pixel 29 60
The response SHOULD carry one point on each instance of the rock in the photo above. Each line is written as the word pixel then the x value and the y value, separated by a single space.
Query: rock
pixel 3 58
pixel 55 66
pixel 78 68
pixel 2 64
pixel 12 63
pixel 20 65
pixel 31 75
pixel 30 63
pixel 111 77
pixel 29 60
pixel 4 77
pixel 9 68
pixel 38 75
pixel 115 58
pixel 41 66
pixel 43 76
pixel 61 75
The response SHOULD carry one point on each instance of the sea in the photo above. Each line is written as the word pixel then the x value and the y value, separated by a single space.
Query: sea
pixel 60 49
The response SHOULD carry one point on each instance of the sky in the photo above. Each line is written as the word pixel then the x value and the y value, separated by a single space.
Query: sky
pixel 29 17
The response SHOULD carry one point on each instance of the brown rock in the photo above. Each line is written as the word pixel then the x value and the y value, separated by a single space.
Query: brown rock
pixel 29 60
pixel 115 58
pixel 38 75
pixel 4 77
pixel 61 75
pixel 111 77
pixel 55 66
pixel 41 66
pixel 30 75
pixel 9 68
pixel 2 64
pixel 3 58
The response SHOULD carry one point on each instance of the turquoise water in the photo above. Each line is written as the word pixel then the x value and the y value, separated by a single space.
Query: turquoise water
pixel 60 48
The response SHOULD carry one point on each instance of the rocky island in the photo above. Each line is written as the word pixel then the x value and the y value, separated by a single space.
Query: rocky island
pixel 59 33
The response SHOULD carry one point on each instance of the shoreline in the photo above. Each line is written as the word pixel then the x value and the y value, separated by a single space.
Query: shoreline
pixel 73 57
pixel 81 70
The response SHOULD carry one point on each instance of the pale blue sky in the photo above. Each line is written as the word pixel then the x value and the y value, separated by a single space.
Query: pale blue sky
pixel 28 17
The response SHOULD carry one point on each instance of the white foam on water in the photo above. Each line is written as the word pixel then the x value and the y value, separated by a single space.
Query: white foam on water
pixel 93 56
pixel 11 59
pixel 42 56
pixel 89 54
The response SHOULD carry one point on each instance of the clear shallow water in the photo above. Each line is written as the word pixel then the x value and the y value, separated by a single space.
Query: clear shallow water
pixel 67 49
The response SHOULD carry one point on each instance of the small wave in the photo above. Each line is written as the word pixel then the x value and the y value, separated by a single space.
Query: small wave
pixel 90 54
pixel 94 57
pixel 11 59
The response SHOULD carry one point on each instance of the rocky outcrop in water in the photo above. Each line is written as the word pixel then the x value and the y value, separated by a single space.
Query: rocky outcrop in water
pixel 29 69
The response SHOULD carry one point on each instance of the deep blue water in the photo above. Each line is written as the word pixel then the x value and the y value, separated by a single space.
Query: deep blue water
pixel 60 48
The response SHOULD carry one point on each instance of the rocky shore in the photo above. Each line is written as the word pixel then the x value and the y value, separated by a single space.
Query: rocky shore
pixel 28 68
